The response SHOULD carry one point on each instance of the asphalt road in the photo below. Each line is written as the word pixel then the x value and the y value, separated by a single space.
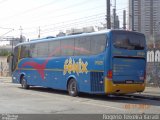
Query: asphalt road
pixel 37 100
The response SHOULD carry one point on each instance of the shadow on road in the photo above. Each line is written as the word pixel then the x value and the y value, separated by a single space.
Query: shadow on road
pixel 113 98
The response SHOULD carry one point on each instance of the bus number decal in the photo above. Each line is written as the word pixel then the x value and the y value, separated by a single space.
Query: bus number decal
pixel 70 65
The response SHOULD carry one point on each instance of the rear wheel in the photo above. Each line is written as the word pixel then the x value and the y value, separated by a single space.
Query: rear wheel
pixel 72 88
pixel 24 83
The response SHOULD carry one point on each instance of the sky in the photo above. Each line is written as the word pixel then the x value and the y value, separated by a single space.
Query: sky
pixel 51 16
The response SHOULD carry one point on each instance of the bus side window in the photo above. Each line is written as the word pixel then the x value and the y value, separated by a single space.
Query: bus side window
pixel 82 46
pixel 67 47
pixel 54 48
pixel 98 44
pixel 25 50
pixel 33 50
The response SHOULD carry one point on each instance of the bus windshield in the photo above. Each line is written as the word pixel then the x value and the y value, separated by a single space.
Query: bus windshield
pixel 130 41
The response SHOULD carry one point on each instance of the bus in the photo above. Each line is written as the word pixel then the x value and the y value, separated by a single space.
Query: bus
pixel 105 62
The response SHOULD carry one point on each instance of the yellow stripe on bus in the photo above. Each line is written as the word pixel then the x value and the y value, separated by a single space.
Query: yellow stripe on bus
pixel 54 69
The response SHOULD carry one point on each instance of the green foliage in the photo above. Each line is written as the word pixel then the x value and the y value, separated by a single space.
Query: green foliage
pixel 4 52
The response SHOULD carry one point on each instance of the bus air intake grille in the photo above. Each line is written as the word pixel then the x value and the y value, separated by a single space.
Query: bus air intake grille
pixel 97 82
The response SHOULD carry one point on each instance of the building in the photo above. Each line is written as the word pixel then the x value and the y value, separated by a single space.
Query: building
pixel 114 20
pixel 144 16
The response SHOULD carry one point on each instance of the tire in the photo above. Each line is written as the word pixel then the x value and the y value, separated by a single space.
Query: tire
pixel 24 83
pixel 72 88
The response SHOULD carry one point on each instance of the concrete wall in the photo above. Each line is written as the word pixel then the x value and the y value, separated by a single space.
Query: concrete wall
pixel 4 67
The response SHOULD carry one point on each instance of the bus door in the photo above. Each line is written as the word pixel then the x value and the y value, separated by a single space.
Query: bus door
pixel 15 58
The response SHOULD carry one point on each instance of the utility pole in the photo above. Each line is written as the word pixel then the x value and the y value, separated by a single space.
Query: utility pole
pixel 114 18
pixel 39 32
pixel 114 15
pixel 124 19
pixel 132 15
pixel 108 15
pixel 20 29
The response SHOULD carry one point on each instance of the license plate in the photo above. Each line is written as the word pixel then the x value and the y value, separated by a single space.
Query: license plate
pixel 129 81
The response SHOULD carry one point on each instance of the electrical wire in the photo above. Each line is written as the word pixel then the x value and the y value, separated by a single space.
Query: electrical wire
pixel 68 21
pixel 81 23
pixel 31 10
pixel 42 6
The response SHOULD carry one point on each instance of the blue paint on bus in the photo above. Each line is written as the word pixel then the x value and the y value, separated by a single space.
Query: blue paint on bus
pixel 90 59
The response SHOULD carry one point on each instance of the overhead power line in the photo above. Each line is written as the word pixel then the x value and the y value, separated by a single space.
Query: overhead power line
pixel 69 21
pixel 45 5
pixel 65 14
pixel 6 32
pixel 72 21
pixel 31 9
pixel 10 30
pixel 5 28
pixel 83 22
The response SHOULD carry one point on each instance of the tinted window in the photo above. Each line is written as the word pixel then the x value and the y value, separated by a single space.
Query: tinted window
pixel 98 44
pixel 25 51
pixel 39 50
pixel 54 48
pixel 67 47
pixel 130 41
pixel 42 49
pixel 34 50
pixel 82 46
pixel 88 45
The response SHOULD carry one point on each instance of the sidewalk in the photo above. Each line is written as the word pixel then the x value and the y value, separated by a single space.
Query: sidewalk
pixel 149 92
pixel 152 93
pixel 5 79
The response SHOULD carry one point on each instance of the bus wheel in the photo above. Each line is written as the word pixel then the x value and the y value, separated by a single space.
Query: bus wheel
pixel 24 83
pixel 72 88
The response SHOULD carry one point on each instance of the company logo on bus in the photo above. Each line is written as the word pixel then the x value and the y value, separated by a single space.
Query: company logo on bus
pixel 72 66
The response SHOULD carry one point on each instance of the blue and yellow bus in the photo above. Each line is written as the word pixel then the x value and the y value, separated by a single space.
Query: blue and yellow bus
pixel 108 62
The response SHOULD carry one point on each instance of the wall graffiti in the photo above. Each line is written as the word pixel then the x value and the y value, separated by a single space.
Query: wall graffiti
pixel 153 56
pixel 153 68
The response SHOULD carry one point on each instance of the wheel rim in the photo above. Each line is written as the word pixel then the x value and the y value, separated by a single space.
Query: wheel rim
pixel 72 87
pixel 23 83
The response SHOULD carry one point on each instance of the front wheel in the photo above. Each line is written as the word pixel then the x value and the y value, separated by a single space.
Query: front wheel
pixel 24 83
pixel 72 88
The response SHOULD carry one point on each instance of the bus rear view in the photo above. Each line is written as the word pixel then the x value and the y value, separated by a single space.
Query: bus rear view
pixel 127 63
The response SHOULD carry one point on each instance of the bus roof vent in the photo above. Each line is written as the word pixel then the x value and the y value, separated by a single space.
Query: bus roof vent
pixel 74 31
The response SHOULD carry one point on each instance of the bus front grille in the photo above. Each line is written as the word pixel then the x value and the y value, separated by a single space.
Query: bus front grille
pixel 97 82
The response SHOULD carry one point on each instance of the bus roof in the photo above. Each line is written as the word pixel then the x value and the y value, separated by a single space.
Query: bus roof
pixel 47 39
